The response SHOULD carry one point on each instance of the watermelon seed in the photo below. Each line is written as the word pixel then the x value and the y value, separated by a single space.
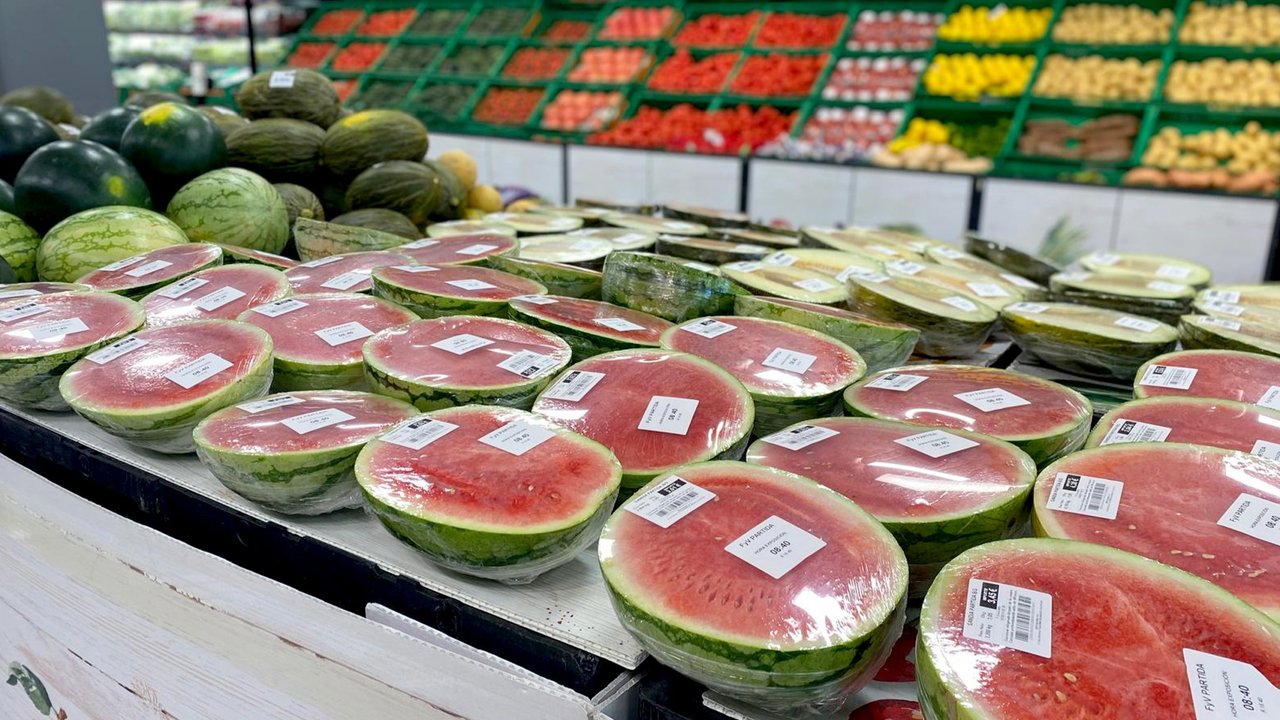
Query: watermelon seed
pixel 1176 552
pixel 1207 556
pixel 1062 697
pixel 1133 527
pixel 1256 573
pixel 1071 677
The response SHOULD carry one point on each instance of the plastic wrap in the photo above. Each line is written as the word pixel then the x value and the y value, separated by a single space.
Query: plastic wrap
pixel 1233 311
pixel 1011 259
pixel 237 254
pixel 12 291
pixel 793 374
pixel 1125 637
pixel 1163 300
pixel 590 327
pixel 881 344
pixel 1086 340
pixel 668 287
pixel 586 214
pixel 468 227
pixel 1203 332
pixel 758 236
pixel 219 293
pixel 557 278
pixel 953 258
pixel 587 252
pixel 712 252
pixel 799 629
pixel 316 239
pixel 1043 418
pixel 1148 267
pixel 791 283
pixel 464 360
pixel 534 224
pixel 621 238
pixel 655 409
pixel 487 491
pixel 993 292
pixel 460 249
pixel 1214 422
pixel 705 215
pixel 1226 374
pixel 138 275
pixel 939 493
pixel 153 387
pixel 874 244
pixel 832 263
pixel 42 335
pixel 342 273
pixel 295 453
pixel 656 225
pixel 434 291
pixel 951 324
pixel 1261 296
pixel 318 338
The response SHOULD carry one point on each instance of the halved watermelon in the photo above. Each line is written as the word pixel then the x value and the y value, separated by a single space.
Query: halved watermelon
pixel 763 585
pixel 1226 374
pixel 557 278
pixel 41 337
pixel 871 243
pixel 10 291
pixel 238 254
pixel 217 293
pixel 1043 418
pixel 832 263
pixel 296 453
pixel 792 283
pixel 468 249
pixel 953 258
pixel 464 360
pixel 493 492
pixel 1087 340
pixel 590 327
pixel 656 225
pixel 138 275
pixel 881 344
pixel 1174 503
pixel 668 287
pixel 533 224
pixel 621 238
pixel 1150 267
pixel 1159 299
pixel 1131 639
pixel 446 290
pixel 709 250
pixel 1204 332
pixel 1199 421
pixel 153 387
pixel 655 409
pixel 468 227
pixel 587 252
pixel 792 373
pixel 342 273
pixel 951 324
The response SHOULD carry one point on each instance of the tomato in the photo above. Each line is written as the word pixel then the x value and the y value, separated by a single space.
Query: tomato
pixel 357 56
pixel 336 22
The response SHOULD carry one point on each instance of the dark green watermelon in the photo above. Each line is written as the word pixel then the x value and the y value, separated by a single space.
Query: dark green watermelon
pixel 388 221
pixel 68 176
pixel 6 199
pixel 453 196
pixel 22 132
pixel 144 99
pixel 278 149
pixel 171 145
pixel 107 127
pixel 367 138
pixel 43 101
pixel 299 94
pixel 333 195
pixel 410 188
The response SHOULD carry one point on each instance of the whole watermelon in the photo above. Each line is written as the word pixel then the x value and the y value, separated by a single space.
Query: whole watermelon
pixel 278 149
pixel 298 94
pixel 410 188
pixel 88 240
pixel 108 127
pixel 6 199
pixel 22 132
pixel 171 145
pixel 18 243
pixel 367 138
pixel 67 177
pixel 388 221
pixel 232 206
pixel 226 119
pixel 43 101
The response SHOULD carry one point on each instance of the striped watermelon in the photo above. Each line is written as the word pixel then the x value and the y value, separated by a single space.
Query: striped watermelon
pixel 18 243
pixel 590 327
pixel 88 240
pixel 232 206
pixel 217 293
pixel 138 275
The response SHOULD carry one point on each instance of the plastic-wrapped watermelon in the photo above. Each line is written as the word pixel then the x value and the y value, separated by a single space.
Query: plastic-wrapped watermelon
pixel 1087 340
pixel 590 327
pixel 138 275
pixel 1227 374
pixel 432 291
pixel 221 292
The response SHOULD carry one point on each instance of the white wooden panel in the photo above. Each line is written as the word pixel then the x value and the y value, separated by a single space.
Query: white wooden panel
pixel 537 166
pixel 1230 235
pixel 937 203
pixel 800 193
pixel 713 182
pixel 609 174
pixel 1020 213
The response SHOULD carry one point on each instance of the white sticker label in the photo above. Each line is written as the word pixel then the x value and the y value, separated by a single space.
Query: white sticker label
pixel 862 275
pixel 886 250
pixel 336 335
pixel 276 401
pixel 1266 449
pixel 122 264
pixel 1085 495
pixel 1270 398
pixel 536 299
pixel 282 79
pixel 198 370
pixel 1009 616
pixel 1254 517
pixel 1225 308
pixel 789 360
pixel 746 267
pixel 782 259
pixel 1222 323
pixel 218 298
pixel 936 443
pixel 1131 431
pixel 56 328
pixel 814 284
pixel 461 344
pixel 470 284
pixel 987 290
pixel 280 307
pixel 709 328
pixel 775 546
pixel 899 382
pixel 346 280
pixel 800 436
pixel 906 267
pixel 680 225
pixel 1169 376
pixel 1138 324
pixel 116 349
pixel 1019 281
pixel 1070 277
pixel 517 438
pixel 949 253
pixel 182 287
pixel 670 415
pixel 11 294
pixel 1104 259
pixel 528 364
pixel 992 399
pixel 25 310
pixel 960 303
pixel 1168 287
pixel 1226 689
pixel 574 385
pixel 475 249
pixel 670 501
pixel 143 270
pixel 618 324
pixel 419 244
pixel 315 420
pixel 321 262
pixel 1222 296
pixel 744 247
pixel 1034 308
pixel 1173 272
pixel 415 268
pixel 419 433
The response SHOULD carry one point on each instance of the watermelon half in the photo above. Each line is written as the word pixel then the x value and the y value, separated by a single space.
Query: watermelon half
pixel 493 492
pixel 342 273
pixel 1087 340
pixel 801 639
pixel 587 252
pixel 1148 267
pixel 793 374
pixel 656 225
pixel 1227 374
pixel 238 254
pixel 40 337
pixel 296 453
pixel 668 287
pixel 1043 418
pixel 469 249
pixel 618 399
pixel 951 324
pixel 10 291
pixel 446 290
pixel 1204 332
pixel 154 387
pixel 939 493
pixel 221 292
pixel 881 344
pixel 620 238
pixel 1169 507
pixel 464 360
pixel 138 275
pixel 1199 421
pixel 1121 627
pixel 557 278
pixel 450 228
pixel 590 327
pixel 832 263
pixel 792 283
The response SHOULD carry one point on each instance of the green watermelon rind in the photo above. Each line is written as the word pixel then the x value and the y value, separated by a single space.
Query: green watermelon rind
pixel 942 333
pixel 880 346
pixel 558 279
pixel 232 206
pixel 709 250
pixel 235 254
pixel 1104 353
pixel 18 244
pixel 666 287
pixel 316 239
pixel 90 239
pixel 583 339
pixel 429 305
pixel 1196 336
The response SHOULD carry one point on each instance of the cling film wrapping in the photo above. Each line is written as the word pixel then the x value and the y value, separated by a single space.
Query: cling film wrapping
pixel 668 287
pixel 138 275
pixel 441 291
pixel 951 324
pixel 1226 374
pixel 218 293
pixel 1089 341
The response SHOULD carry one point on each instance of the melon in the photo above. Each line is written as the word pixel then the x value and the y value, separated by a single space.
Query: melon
pixel 1200 332
pixel 671 288
pixel 881 344
pixel 22 132
pixel 64 179
pixel 18 244
pixel 138 275
pixel 1232 311
pixel 656 225
pixel 586 252
pixel 468 227
pixel 620 238
pixel 791 283
pixel 91 239
pixel 410 188
pixel 447 290
pixel 216 293
pixel 351 272
pixel 236 254
pixel 388 221
pixel 873 244
pixel 1087 340
pixel 832 263
pixel 1148 267
pixel 953 258
pixel 316 239
pixel 995 293
pixel 281 150
pixel 705 215
pixel 1266 295
pixel 366 138
pixel 171 145
pixel 590 327
pixel 710 250
pixel 462 249
pixel 299 202
pixel 1160 299
pixel 295 93
pixel 758 235
pixel 557 278
pixel 454 195
pixel 588 215
pixel 534 224
pixel 951 324
pixel 1010 260
pixel 225 119
pixel 232 206
pixel 1226 374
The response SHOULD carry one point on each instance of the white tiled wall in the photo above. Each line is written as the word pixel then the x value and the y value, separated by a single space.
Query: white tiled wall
pixel 800 193
pixel 1021 213
pixel 938 204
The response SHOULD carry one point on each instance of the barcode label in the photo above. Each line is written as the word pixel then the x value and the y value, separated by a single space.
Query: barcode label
pixel 346 280
pixel 783 259
pixel 1254 517
pixel 960 303
pixel 274 401
pixel 517 437
pixel 1173 272
pixel 1131 431
pixel 898 382
pixel 528 364
pixel 1085 495
pixel 987 290
pixel 25 310
pixel 799 437
pixel 218 298
pixel 1222 296
pixel 1133 323
pixel 1026 307
pixel 280 307
pixel 991 399
pixel 574 385
pixel 814 285
pixel 1222 323
pixel 476 249
pixel 144 270
pixel 671 499
pixel 1009 616
pixel 709 328
pixel 1224 308
pixel 906 267
pixel 116 349
pixel 1270 398
pixel 1169 376
pixel 1019 281
pixel 419 433
pixel 1265 449
pixel 182 287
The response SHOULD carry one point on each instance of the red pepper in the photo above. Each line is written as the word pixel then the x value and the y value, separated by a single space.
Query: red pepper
pixel 387 22
pixel 310 54
pixel 680 73
pixel 358 56
pixel 336 22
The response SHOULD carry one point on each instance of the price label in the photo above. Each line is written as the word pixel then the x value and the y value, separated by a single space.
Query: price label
pixel 789 360
pixel 898 382
pixel 1009 616
pixel 415 268
pixel 116 349
pixel 182 287
pixel 1138 324
pixel 419 433
pixel 528 364
pixel 670 415
pixel 746 267
pixel 681 225
pixel 1105 259
pixel 419 244
pixel 1265 449
pixel 461 344
pixel 960 303
pixel 1173 272
pixel 517 438
pixel 1222 296
pixel 1169 376
pixel 280 307
pixel 618 324
pixel 906 267
pixel 282 79
pixel 336 335
pixel 471 284
pixel 476 250
pixel 218 298
pixel 316 420
pixel 1026 307
pixel 24 310
pixel 56 328
pixel 1270 398
pixel 1162 286
pixel 574 385
pixel 1224 308
pixel 1226 689
pixel 782 259
pixel 709 328
pixel 1085 495
pixel 1254 517
pixel 669 501
pixel 122 264
pixel 197 371
pixel 1131 431
pixel 936 443
pixel 992 399
pixel 987 290
pixel 775 546
pixel 535 299
pixel 745 248
pixel 147 269
pixel 11 294
pixel 346 280
pixel 321 262
pixel 800 436
pixel 1221 323
pixel 814 285
pixel 275 401
pixel 1019 281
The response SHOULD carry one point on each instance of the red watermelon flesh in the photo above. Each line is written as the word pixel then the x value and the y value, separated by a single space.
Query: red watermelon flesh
pixel 1225 374
pixel 578 312
pixel 612 410
pixel 13 291
pixel 294 332
pixel 341 273
pixel 136 380
pixel 458 249
pixel 158 266
pixel 1172 499
pixel 888 710
pixel 221 292
pixel 1200 421
pixel 263 432
pixel 1119 627
pixel 505 285
pixel 51 323
pixel 899 667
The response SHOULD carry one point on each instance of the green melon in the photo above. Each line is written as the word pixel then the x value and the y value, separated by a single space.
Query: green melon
pixel 225 119
pixel 787 282
pixel 298 202
pixel 107 128
pixel 299 94
pixel 88 240
pixel 367 138
pixel 278 149
pixel 951 324
pixel 18 243
pixel 1212 333
pixel 22 132
pixel 410 188
pixel 6 199
pixel 670 288
pixel 43 101
pixel 558 278
pixel 1087 340
pixel 233 207
pixel 171 145
pixel 316 239
pixel 388 221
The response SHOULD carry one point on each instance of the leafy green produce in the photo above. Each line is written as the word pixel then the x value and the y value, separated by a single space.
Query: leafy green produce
pixel 979 140
pixel 437 22
pixel 471 60
pixel 411 57
pixel 381 94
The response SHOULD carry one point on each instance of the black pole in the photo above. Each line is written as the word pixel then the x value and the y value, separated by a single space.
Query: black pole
pixel 253 54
